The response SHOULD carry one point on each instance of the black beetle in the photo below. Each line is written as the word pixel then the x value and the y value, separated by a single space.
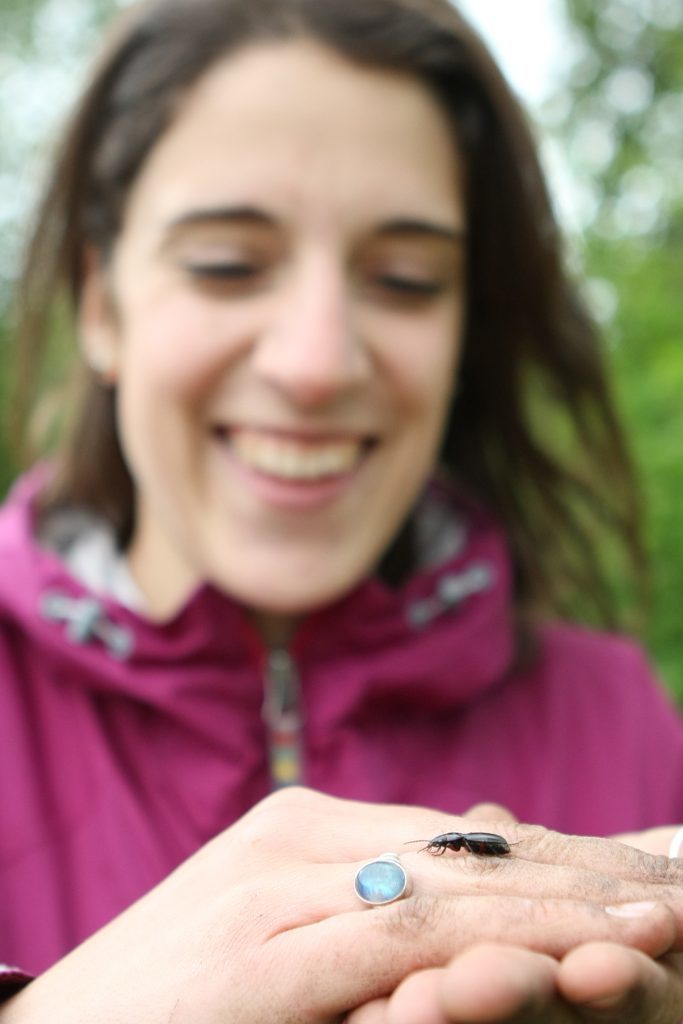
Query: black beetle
pixel 487 844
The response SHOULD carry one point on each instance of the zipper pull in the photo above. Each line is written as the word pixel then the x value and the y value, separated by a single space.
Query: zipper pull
pixel 282 714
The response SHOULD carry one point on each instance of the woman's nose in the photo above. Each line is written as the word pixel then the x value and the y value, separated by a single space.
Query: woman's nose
pixel 311 349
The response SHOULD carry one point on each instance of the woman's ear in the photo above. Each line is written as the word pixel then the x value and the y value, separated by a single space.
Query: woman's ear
pixel 98 334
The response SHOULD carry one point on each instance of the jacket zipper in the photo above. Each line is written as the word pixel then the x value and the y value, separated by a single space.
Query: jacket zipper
pixel 284 719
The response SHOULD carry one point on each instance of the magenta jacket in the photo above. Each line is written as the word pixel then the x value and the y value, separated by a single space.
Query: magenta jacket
pixel 124 746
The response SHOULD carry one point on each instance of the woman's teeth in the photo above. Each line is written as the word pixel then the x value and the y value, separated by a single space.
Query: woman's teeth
pixel 294 459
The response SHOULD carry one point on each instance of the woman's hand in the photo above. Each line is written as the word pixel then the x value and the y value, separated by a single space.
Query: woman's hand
pixel 263 923
pixel 497 984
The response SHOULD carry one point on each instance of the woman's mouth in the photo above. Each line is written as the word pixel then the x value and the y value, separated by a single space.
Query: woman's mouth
pixel 294 458
pixel 289 469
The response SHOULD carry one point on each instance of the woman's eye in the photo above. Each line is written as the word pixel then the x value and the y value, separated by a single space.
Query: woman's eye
pixel 409 287
pixel 227 272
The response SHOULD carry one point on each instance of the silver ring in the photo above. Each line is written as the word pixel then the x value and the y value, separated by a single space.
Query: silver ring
pixel 381 880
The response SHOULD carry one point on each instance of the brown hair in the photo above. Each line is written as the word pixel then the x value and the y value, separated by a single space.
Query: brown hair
pixel 532 431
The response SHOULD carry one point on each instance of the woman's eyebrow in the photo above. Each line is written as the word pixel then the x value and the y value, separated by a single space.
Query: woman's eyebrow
pixel 419 228
pixel 245 215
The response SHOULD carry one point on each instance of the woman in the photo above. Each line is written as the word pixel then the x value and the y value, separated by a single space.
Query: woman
pixel 304 528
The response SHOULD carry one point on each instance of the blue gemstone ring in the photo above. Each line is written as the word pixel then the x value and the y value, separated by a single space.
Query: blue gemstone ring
pixel 381 880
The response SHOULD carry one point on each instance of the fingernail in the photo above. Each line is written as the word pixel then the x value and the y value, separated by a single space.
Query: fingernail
pixel 631 909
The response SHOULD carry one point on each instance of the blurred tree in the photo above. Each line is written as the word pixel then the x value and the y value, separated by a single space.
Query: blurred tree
pixel 619 116
pixel 44 45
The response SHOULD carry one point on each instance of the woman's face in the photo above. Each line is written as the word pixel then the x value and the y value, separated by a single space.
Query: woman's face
pixel 284 310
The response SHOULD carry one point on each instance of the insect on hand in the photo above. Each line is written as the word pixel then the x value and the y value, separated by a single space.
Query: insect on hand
pixel 487 844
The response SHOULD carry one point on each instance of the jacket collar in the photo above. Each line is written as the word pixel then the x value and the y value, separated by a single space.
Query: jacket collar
pixel 442 638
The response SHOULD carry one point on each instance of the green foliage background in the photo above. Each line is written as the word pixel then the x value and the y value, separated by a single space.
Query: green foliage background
pixel 626 87
pixel 648 365
pixel 625 148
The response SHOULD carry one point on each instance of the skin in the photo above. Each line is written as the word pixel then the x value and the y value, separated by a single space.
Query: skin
pixel 323 305
pixel 263 924
pixel 317 318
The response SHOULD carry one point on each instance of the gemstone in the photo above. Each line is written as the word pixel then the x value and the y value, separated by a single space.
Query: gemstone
pixel 380 881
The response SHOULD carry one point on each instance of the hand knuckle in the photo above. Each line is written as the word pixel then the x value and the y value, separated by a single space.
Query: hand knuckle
pixel 280 813
pixel 282 803
pixel 410 917
pixel 534 835
pixel 660 868
pixel 482 867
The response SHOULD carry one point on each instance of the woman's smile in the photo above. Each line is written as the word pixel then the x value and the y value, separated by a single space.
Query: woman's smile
pixel 290 457
pixel 287 471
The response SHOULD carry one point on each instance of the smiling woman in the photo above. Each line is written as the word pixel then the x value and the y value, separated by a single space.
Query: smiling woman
pixel 335 465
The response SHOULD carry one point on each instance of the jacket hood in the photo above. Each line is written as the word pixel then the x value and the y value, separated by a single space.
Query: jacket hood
pixel 439 640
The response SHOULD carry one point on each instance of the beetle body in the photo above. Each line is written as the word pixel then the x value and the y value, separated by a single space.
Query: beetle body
pixel 486 844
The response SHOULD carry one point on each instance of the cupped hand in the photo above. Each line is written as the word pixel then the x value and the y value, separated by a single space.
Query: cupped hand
pixel 263 922
pixel 595 983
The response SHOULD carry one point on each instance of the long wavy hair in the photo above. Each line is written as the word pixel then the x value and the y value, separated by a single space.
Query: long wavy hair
pixel 532 431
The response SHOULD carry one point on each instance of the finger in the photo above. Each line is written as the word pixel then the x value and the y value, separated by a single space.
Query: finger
pixel 467 873
pixel 374 1012
pixel 607 856
pixel 653 840
pixel 417 1000
pixel 490 983
pixel 370 951
pixel 614 984
pixel 475 894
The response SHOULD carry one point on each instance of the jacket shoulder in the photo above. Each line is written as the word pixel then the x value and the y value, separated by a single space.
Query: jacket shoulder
pixel 582 653
pixel 609 677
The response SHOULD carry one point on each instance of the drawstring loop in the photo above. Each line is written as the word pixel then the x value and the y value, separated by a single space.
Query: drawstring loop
pixel 85 619
pixel 451 590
